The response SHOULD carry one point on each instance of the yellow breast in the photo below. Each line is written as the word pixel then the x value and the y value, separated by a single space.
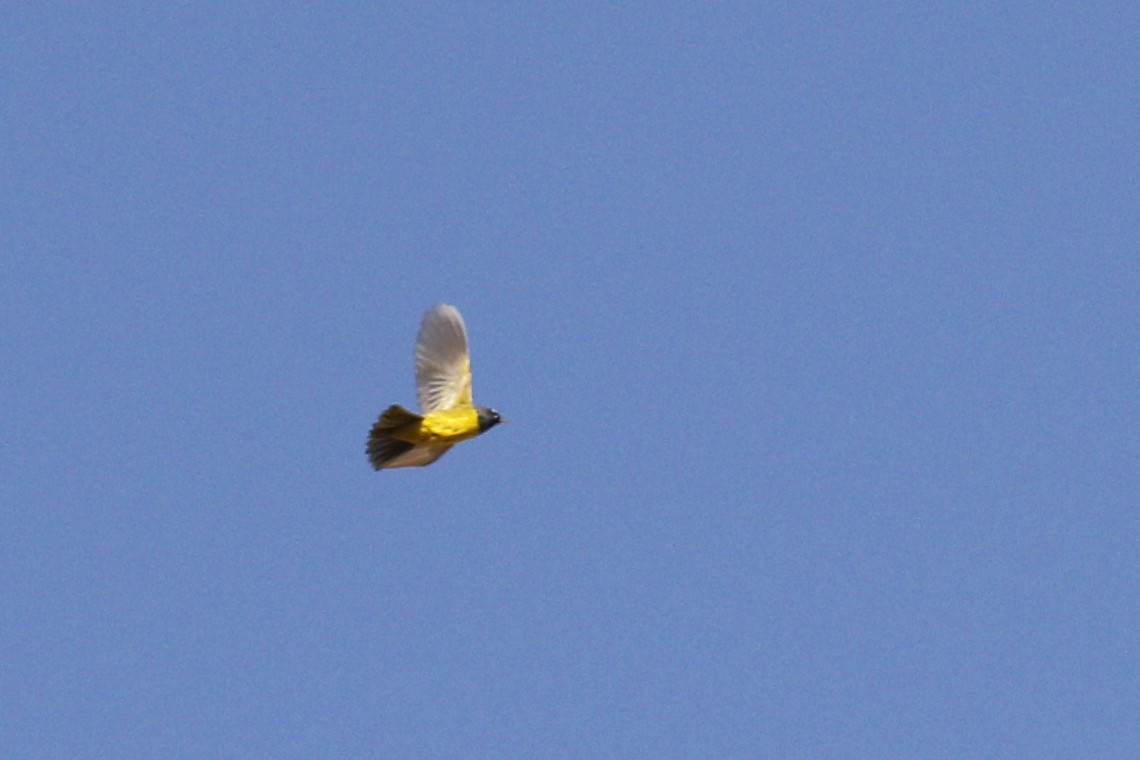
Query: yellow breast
pixel 451 425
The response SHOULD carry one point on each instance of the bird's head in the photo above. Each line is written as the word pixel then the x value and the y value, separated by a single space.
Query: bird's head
pixel 488 418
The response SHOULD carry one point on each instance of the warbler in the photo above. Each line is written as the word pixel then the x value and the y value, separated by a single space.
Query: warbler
pixel 402 438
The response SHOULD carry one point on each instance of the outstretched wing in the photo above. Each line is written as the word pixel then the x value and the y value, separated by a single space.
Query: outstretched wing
pixel 443 366
pixel 415 456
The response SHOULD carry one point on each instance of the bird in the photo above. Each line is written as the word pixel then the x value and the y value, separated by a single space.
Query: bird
pixel 402 438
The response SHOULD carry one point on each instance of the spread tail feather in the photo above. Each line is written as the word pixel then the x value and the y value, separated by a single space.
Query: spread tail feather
pixel 383 447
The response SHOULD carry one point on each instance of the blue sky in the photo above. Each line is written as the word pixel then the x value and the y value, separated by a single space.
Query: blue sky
pixel 817 327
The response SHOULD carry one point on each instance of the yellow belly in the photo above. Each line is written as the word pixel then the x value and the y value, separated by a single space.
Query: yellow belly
pixel 450 425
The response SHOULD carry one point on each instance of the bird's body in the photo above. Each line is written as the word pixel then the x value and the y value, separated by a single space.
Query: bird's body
pixel 450 425
pixel 402 438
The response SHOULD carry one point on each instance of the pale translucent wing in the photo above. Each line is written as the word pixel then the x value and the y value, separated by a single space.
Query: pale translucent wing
pixel 443 366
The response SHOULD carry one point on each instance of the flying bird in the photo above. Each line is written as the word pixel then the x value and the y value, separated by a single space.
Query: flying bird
pixel 401 438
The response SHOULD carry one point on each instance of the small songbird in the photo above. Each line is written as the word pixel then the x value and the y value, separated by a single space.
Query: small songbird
pixel 401 438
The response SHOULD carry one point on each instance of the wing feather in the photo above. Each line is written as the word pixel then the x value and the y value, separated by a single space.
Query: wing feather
pixel 443 364
pixel 418 456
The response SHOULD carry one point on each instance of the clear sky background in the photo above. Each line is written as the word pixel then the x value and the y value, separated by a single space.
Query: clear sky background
pixel 817 326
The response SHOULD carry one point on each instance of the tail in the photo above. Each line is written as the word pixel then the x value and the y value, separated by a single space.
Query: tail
pixel 382 446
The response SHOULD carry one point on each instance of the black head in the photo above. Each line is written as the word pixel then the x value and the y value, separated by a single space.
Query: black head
pixel 488 418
